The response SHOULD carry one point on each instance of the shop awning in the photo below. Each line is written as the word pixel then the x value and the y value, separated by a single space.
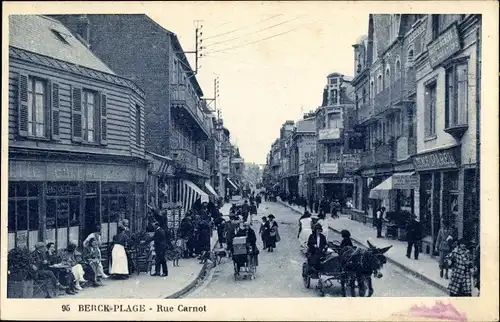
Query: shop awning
pixel 211 189
pixel 190 193
pixel 232 184
pixel 160 163
pixel 402 180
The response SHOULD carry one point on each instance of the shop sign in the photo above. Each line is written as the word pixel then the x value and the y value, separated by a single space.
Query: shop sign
pixel 200 164
pixel 26 171
pixel 442 159
pixel 329 134
pixel 351 162
pixel 301 169
pixel 224 165
pixel 328 180
pixel 22 239
pixel 446 45
pixel 329 168
pixel 403 182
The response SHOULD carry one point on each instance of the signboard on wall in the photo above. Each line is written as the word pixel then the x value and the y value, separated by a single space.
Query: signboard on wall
pixel 446 45
pixel 404 182
pixel 224 165
pixel 441 159
pixel 329 168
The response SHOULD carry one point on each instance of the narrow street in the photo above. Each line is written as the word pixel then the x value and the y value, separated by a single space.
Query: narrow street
pixel 279 273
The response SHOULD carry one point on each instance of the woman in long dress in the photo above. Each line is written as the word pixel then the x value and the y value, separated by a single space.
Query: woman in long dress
pixel 119 261
pixel 273 237
pixel 305 229
pixel 324 223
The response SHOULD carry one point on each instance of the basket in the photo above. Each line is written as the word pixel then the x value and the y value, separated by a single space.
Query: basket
pixel 239 249
pixel 239 240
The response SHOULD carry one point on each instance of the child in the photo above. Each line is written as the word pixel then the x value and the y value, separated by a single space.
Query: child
pixel 346 239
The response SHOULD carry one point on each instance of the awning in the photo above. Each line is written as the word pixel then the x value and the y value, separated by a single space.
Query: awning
pixel 190 193
pixel 232 184
pixel 401 180
pixel 211 189
pixel 160 163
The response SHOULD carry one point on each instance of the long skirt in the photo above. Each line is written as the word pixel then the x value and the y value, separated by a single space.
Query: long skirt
pixel 78 273
pixel 271 242
pixel 304 236
pixel 119 260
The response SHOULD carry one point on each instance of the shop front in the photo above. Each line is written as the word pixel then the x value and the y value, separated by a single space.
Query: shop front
pixel 441 193
pixel 63 202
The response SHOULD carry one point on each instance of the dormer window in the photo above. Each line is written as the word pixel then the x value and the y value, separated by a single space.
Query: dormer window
pixel 61 36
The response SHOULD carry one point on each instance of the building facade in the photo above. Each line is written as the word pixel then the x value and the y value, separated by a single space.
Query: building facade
pixel 335 121
pixel 446 161
pixel 304 146
pixel 179 125
pixel 76 139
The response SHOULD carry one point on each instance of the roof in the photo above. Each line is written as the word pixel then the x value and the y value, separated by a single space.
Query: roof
pixel 335 75
pixel 49 37
pixel 361 39
pixel 308 125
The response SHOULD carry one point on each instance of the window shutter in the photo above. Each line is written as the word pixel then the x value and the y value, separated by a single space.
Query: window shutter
pixel 22 113
pixel 55 110
pixel 104 119
pixel 76 114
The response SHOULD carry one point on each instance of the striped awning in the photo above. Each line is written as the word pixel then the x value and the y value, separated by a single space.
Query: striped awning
pixel 190 193
pixel 211 189
pixel 232 184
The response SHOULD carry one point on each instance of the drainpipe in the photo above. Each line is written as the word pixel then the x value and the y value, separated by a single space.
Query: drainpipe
pixel 478 124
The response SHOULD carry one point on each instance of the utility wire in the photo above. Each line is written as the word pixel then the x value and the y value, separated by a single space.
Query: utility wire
pixel 253 42
pixel 251 33
pixel 231 31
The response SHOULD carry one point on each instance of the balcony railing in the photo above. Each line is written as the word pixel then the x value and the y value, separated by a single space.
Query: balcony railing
pixel 396 91
pixel 330 135
pixel 181 96
pixel 191 162
pixel 409 85
pixel 399 91
pixel 381 101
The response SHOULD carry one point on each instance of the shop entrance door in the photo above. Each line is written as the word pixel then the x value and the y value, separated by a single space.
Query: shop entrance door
pixel 91 216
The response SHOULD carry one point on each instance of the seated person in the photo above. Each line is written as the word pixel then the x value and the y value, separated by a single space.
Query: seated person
pixel 316 246
pixel 92 257
pixel 64 273
pixel 42 272
pixel 96 235
pixel 68 258
pixel 251 239
pixel 346 239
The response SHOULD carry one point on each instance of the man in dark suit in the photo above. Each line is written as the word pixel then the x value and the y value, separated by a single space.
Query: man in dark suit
pixel 413 236
pixel 161 243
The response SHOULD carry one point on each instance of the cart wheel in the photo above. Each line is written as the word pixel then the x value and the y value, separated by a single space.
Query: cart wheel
pixel 321 287
pixel 307 281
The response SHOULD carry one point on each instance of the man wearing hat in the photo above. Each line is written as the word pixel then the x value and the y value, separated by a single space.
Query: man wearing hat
pixel 460 260
pixel 231 228
pixel 41 264
pixel 273 236
pixel 244 230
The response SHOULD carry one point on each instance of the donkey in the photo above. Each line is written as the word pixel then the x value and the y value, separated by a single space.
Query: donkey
pixel 358 265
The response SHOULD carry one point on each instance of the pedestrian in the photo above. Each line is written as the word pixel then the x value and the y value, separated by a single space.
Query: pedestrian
pixel 161 244
pixel 263 232
pixel 332 208
pixel 316 246
pixel 42 272
pixel 346 239
pixel 185 233
pixel 305 228
pixel 379 220
pixel 460 262
pixel 220 226
pixel 97 236
pixel 230 231
pixel 444 243
pixel 204 231
pixel 258 200
pixel 413 236
pixel 119 259
pixel 323 221
pixel 245 209
pixel 273 238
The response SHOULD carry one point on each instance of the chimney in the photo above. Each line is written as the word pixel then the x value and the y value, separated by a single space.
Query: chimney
pixel 369 49
pixel 83 28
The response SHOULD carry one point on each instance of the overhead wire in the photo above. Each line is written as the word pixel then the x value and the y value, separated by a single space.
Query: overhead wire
pixel 251 33
pixel 231 31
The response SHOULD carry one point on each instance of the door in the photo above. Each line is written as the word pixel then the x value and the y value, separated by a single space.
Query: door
pixel 91 216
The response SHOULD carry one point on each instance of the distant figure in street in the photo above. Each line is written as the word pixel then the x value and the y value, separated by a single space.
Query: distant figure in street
pixel 413 235
pixel 161 243
pixel 258 200
pixel 346 239
pixel 220 226
pixel 379 220
pixel 444 243
pixel 263 232
pixel 323 221
pixel 231 228
pixel 273 238
pixel 245 210
pixel 460 261
pixel 305 228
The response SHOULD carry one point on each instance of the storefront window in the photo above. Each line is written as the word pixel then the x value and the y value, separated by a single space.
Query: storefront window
pixel 23 214
pixel 405 200
pixel 116 204
pixel 63 213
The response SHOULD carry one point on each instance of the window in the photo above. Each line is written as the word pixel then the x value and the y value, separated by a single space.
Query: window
pixel 334 96
pixel 89 116
pixel 138 125
pixel 380 85
pixel 409 57
pixel 372 89
pixel 430 109
pixel 335 121
pixel 364 96
pixel 23 219
pixel 387 77
pixel 410 122
pixel 435 26
pixel 37 107
pixel 397 72
pixel 456 95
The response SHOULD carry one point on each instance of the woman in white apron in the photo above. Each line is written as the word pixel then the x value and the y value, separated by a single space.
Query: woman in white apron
pixel 119 262
pixel 305 229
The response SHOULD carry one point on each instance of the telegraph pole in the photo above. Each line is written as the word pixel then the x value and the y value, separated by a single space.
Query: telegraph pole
pixel 197 47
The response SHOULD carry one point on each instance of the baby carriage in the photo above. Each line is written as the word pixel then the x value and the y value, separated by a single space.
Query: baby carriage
pixel 244 259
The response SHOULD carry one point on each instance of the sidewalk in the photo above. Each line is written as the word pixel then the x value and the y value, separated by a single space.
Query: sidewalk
pixel 425 268
pixel 143 286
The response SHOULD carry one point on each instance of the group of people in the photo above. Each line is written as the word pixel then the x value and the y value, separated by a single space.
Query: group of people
pixel 332 206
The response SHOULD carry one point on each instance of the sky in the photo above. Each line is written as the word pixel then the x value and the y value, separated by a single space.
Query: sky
pixel 265 83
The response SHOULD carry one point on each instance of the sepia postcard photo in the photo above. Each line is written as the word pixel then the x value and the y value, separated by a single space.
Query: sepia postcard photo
pixel 305 160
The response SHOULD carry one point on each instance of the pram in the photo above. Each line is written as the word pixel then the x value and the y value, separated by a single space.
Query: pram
pixel 244 259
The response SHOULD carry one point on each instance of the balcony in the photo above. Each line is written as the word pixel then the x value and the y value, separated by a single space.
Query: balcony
pixel 365 112
pixel 382 101
pixel 397 94
pixel 330 135
pixel 180 97
pixel 191 163
pixel 383 154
